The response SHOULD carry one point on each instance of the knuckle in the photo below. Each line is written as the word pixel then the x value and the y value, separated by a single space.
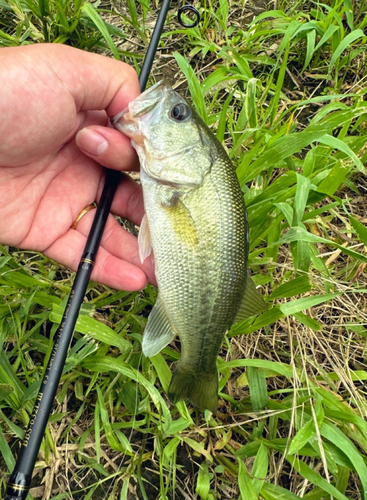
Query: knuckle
pixel 100 268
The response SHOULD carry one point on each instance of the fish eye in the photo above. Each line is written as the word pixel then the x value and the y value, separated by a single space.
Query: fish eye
pixel 180 112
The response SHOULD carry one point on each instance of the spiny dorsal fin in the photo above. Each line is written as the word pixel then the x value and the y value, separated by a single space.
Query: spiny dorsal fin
pixel 144 241
pixel 252 302
pixel 158 331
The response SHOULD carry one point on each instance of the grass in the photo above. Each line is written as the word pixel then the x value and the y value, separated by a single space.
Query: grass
pixel 285 91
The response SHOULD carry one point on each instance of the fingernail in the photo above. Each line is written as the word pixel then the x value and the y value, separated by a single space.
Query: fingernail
pixel 91 142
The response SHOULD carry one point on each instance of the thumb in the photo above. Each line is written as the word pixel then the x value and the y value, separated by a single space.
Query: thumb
pixel 108 147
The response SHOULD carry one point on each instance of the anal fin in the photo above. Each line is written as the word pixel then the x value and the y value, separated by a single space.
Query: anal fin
pixel 252 302
pixel 158 331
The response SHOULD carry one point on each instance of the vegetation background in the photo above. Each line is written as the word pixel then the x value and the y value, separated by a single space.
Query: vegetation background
pixel 283 86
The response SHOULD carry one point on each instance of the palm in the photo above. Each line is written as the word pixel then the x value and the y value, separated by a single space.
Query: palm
pixel 46 180
pixel 49 195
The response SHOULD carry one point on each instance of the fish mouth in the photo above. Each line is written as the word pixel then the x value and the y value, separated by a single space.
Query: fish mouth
pixel 126 121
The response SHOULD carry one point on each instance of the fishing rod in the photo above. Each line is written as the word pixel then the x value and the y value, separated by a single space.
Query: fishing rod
pixel 20 479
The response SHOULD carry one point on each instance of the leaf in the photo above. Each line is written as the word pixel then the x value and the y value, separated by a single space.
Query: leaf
pixel 296 286
pixel 170 449
pixel 163 372
pixel 280 149
pixel 314 477
pixel 5 390
pixel 260 468
pixel 274 492
pixel 334 179
pixel 247 490
pixel 302 437
pixel 307 321
pixel 241 63
pixel 336 143
pixel 199 448
pixel 348 40
pixel 339 439
pixel 359 228
pixel 327 35
pixel 102 364
pixel 106 424
pixel 250 103
pixel 194 86
pixel 300 199
pixel 249 326
pixel 203 482
pixel 93 15
pixel 286 146
pixel 299 305
pixel 311 38
pixel 222 124
pixel 6 452
pixel 296 233
pixel 273 366
pixel 133 12
pixel 258 388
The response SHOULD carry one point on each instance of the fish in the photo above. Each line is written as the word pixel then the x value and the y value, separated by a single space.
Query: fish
pixel 196 227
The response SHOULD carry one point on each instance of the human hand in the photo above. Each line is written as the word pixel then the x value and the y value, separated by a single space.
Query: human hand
pixel 50 164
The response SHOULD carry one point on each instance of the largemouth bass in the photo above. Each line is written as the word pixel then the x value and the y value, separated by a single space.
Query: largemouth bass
pixel 196 225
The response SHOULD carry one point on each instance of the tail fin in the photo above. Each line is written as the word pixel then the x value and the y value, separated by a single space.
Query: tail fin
pixel 201 389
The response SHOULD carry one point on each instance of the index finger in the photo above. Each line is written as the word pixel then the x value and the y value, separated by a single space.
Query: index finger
pixel 95 81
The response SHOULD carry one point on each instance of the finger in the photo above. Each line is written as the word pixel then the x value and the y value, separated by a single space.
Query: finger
pixel 128 199
pixel 108 269
pixel 96 81
pixel 88 118
pixel 118 242
pixel 107 146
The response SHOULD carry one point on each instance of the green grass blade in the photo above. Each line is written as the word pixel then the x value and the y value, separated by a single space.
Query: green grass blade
pixel 333 142
pixel 344 44
pixel 336 436
pixel 296 233
pixel 247 490
pixel 194 86
pixel 260 468
pixel 6 452
pixel 315 478
pixel 93 15
pixel 274 492
pixel 258 388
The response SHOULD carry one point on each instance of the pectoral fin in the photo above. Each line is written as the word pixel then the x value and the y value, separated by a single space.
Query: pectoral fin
pixel 158 331
pixel 183 224
pixel 252 302
pixel 144 241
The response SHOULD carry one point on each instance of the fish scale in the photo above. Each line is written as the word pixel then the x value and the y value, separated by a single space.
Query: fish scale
pixel 196 224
